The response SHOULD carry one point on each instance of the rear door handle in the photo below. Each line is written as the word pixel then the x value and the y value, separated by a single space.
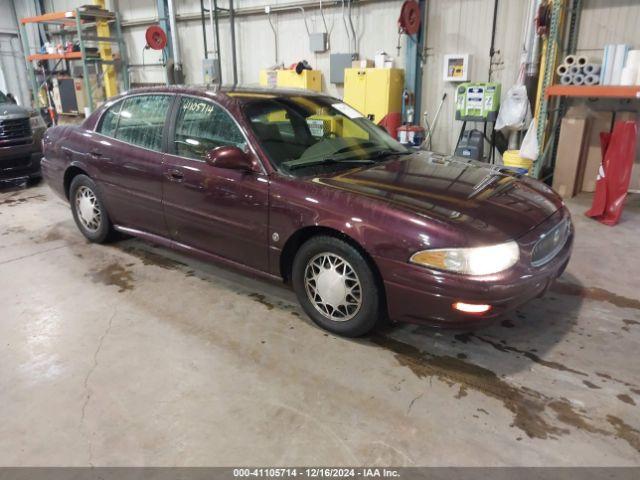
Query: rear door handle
pixel 174 175
pixel 95 153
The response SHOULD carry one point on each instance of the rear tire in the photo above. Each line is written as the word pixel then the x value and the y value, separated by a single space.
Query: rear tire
pixel 88 210
pixel 336 286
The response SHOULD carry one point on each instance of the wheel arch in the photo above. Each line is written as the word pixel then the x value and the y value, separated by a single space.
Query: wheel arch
pixel 69 174
pixel 302 235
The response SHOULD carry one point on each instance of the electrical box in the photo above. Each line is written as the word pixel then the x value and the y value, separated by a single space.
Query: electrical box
pixel 338 62
pixel 478 101
pixel 308 79
pixel 318 42
pixel 69 95
pixel 210 70
pixel 456 67
pixel 375 92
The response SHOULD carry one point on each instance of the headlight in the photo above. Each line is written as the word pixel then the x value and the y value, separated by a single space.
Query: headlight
pixel 36 120
pixel 470 261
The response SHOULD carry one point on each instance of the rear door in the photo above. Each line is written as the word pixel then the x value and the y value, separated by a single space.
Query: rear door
pixel 218 210
pixel 128 155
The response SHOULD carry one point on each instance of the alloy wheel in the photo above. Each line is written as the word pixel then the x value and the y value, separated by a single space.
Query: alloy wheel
pixel 333 287
pixel 88 208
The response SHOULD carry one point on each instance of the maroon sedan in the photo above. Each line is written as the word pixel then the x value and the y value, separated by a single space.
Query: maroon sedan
pixel 299 186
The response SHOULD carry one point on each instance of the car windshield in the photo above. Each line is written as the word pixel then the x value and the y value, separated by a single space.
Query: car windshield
pixel 301 132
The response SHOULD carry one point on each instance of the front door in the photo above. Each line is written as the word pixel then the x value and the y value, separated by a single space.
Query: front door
pixel 220 211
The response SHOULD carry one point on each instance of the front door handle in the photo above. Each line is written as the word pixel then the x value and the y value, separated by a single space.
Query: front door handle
pixel 174 175
pixel 95 153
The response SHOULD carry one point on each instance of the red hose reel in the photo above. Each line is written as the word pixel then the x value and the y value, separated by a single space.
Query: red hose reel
pixel 156 37
pixel 409 21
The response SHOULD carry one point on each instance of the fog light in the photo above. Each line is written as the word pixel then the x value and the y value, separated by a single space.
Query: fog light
pixel 471 307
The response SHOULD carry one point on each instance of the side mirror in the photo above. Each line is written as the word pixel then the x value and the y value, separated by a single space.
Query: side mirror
pixel 229 157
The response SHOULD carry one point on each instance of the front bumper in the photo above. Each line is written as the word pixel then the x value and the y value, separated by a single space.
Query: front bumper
pixel 21 161
pixel 419 295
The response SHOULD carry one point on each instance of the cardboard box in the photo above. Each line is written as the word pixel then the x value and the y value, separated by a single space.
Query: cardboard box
pixel 362 64
pixel 570 150
pixel 599 122
pixel 634 184
pixel 589 164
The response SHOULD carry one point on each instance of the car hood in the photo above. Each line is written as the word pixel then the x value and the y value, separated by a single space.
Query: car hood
pixel 474 196
pixel 12 110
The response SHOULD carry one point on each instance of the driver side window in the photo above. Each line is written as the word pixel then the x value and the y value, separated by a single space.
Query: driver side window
pixel 202 126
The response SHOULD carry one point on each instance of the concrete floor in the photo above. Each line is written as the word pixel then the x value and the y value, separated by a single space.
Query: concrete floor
pixel 133 355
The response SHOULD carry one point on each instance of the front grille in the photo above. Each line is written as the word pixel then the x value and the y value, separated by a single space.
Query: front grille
pixel 550 244
pixel 15 163
pixel 14 129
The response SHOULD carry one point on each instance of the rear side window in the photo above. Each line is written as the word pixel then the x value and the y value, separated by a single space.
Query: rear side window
pixel 141 120
pixel 202 126
pixel 109 121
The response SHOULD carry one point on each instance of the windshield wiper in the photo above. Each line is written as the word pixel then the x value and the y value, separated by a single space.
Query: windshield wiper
pixel 386 153
pixel 355 147
pixel 329 161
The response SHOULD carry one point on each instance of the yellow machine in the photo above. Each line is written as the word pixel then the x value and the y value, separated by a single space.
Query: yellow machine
pixel 308 79
pixel 108 70
pixel 375 92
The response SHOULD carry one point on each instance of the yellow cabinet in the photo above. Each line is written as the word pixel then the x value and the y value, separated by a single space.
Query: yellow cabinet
pixel 308 79
pixel 374 92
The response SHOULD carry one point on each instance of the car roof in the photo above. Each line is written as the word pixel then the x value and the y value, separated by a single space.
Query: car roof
pixel 237 94
pixel 240 93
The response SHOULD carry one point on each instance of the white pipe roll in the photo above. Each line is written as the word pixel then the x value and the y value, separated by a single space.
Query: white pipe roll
pixel 578 79
pixel 575 70
pixel 562 69
pixel 591 69
pixel 629 76
pixel 570 59
pixel 582 60
pixel 591 79
pixel 566 79
pixel 633 59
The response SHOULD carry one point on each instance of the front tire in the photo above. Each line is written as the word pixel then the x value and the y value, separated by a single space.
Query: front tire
pixel 88 210
pixel 336 286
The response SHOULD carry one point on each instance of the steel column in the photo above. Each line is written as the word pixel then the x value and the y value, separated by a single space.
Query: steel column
pixel 204 29
pixel 232 23
pixel 30 71
pixel 85 70
pixel 164 24
pixel 413 63
pixel 124 58
pixel 215 19
pixel 548 74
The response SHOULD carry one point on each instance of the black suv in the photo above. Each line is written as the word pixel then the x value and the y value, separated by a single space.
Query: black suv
pixel 20 141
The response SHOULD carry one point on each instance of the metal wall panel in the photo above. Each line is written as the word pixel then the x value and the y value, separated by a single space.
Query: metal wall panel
pixel 12 63
pixel 454 26
pixel 608 21
pixel 464 26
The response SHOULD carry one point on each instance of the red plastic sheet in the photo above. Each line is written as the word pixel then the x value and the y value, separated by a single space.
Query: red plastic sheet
pixel 618 153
